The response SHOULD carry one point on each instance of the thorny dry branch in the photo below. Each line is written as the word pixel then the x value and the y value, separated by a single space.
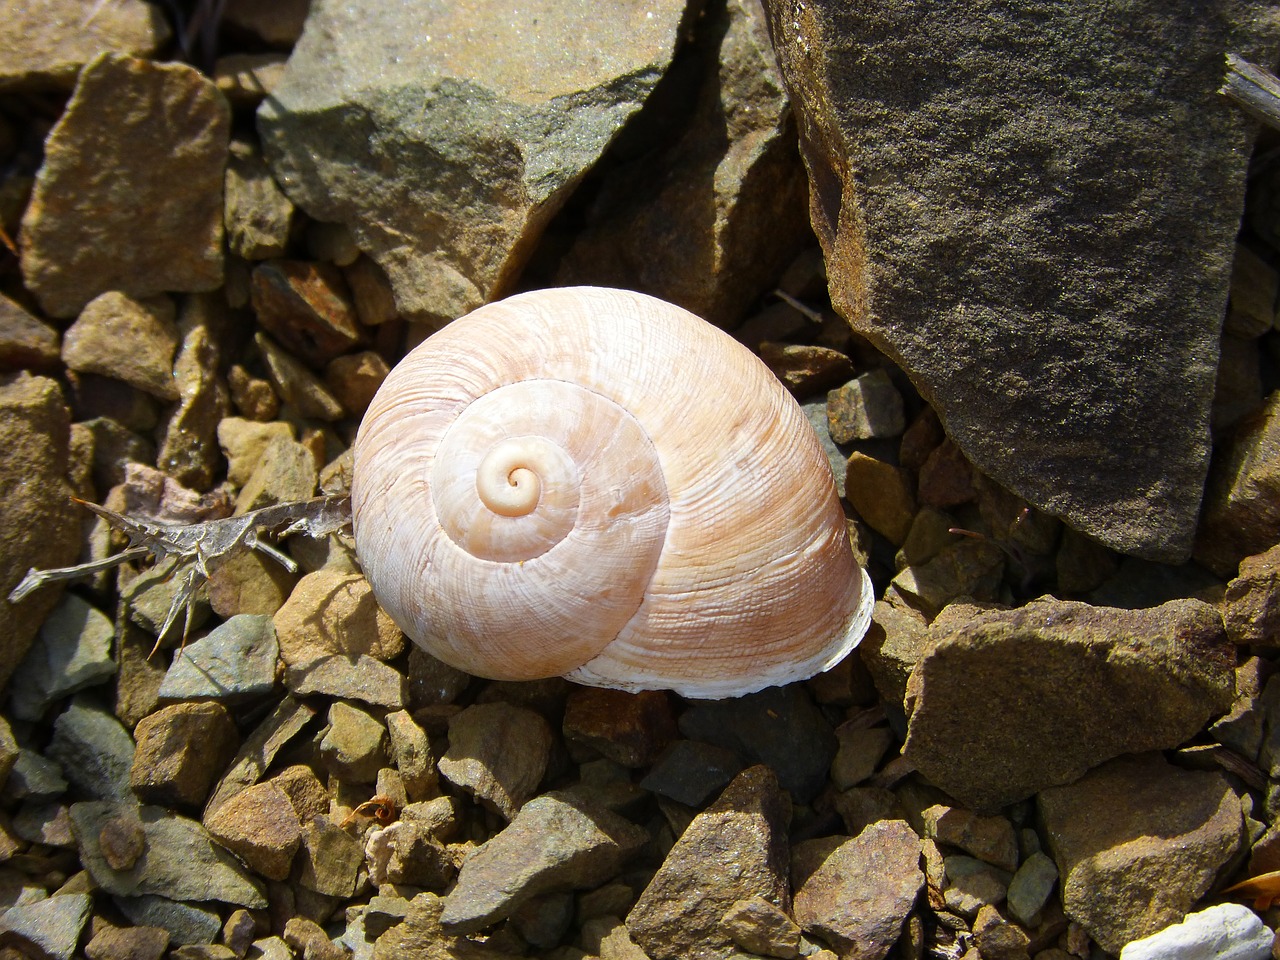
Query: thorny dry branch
pixel 195 547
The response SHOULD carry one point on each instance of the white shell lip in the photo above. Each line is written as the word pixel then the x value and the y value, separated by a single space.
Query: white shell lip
pixel 781 674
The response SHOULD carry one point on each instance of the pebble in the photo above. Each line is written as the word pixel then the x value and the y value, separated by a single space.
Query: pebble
pixel 27 342
pixel 306 309
pixel 285 472
pixel 628 728
pixel 1251 604
pixel 71 652
pixel 94 751
pixel 371 292
pixel 181 750
pixel 498 753
pixel 246 78
pixel 966 568
pixel 257 214
pixel 406 853
pixel 412 755
pixel 233 662
pixel 34 777
pixel 1227 931
pixel 127 943
pixel 1030 889
pixel 46 823
pixel 51 927
pixel 1175 659
pixel 999 939
pixel 946 478
pixel 295 385
pixel 866 407
pixel 189 450
pixel 973 884
pixel 46 46
pixel 122 842
pixel 334 612
pixel 252 396
pixel 355 378
pixel 244 441
pixel 130 340
pixel 760 926
pixel 855 893
pixel 185 922
pixel 779 727
pixel 118 152
pixel 348 677
pixel 691 772
pixel 859 753
pixel 991 839
pixel 260 826
pixel 806 369
pixel 181 861
pixel 330 859
pixel 881 494
pixel 1138 842
pixel 734 850
pixel 137 689
pixel 238 932
pixel 354 745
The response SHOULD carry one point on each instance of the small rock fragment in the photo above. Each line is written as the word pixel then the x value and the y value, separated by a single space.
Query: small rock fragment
pixel 257 214
pixel 734 850
pixel 412 755
pixel 330 859
pixel 285 472
pixel 261 827
pixel 236 660
pixel 806 369
pixel 126 339
pixel 25 341
pixel 354 746
pixel 1227 931
pixel 295 385
pixel 181 750
pixel 629 728
pixel 1251 604
pixel 306 308
pixel 990 839
pixel 859 754
pixel 73 651
pixel 246 78
pixel 50 927
pixel 972 884
pixel 127 943
pixel 406 853
pixel 759 926
pixel 497 752
pixel 350 678
pixel 189 449
pixel 94 751
pixel 881 494
pixel 332 612
pixel 691 772
pixel 355 378
pixel 1030 888
pixel 866 407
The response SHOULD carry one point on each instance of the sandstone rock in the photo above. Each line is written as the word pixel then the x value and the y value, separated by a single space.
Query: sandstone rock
pixel 990 839
pixel 259 750
pixel 406 853
pixel 551 845
pixel 734 163
pixel 420 936
pixel 286 471
pixel 279 24
pixel 498 753
pixel 181 750
pixel 181 861
pixel 243 442
pixel 355 378
pixel 1153 678
pixel 348 677
pixel 252 396
pixel 965 568
pixel 859 753
pixel 184 922
pixel 234 661
pixel 1137 842
pixel 25 341
pixel 1031 347
pixel 295 384
pixel 779 727
pixel 189 448
pixel 309 940
pixel 261 827
pixel 734 850
pixel 866 407
pixel 371 292
pixel 856 895
pixel 972 884
pixel 805 369
pixel 334 612
pixel 1030 888
pixel 136 136
pixel 127 943
pixel 758 926
pixel 249 584
pixel 1227 931
pixel 306 308
pixel 73 651
pixel 629 728
pixel 881 494
pixel 412 755
pixel 897 638
pixel 41 525
pixel 45 46
pixel 1251 604
pixel 257 214
pixel 126 339
pixel 354 746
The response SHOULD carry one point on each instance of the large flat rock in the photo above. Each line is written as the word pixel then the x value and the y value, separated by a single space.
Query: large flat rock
pixel 1032 208
pixel 445 135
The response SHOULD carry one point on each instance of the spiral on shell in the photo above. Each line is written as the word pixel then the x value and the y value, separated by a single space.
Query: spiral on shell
pixel 596 484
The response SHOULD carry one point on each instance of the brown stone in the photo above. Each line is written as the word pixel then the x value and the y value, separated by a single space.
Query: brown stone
pixel 628 728
pixel 946 478
pixel 498 752
pixel 130 194
pixel 25 341
pixel 355 378
pixel 882 496
pixel 126 339
pixel 806 369
pixel 332 612
pixel 181 750
pixel 1251 604
pixel 261 827
pixel 306 307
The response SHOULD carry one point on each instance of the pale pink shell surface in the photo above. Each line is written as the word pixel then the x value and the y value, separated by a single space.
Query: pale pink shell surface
pixel 597 484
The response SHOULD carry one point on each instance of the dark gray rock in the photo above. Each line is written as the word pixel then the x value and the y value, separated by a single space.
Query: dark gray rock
pixel 94 750
pixel 1137 843
pixel 72 651
pixel 779 727
pixel 734 850
pixel 497 752
pixel 234 661
pixel 51 927
pixel 1008 702
pixel 690 772
pixel 1093 213
pixel 551 845
pixel 186 922
pixel 34 777
pixel 445 135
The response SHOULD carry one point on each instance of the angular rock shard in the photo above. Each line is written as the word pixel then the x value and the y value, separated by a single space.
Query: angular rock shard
pixel 1033 210
pixel 445 135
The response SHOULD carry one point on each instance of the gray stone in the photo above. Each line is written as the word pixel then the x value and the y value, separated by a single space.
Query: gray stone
pixel 779 727
pixel 350 677
pixel 50 927
pixel 1137 843
pixel 41 526
pixel 691 772
pixel 181 862
pixel 1040 345
pixel 354 746
pixel 234 661
pixel 1154 677
pixel 34 777
pixel 126 339
pixel 46 45
pixel 480 122
pixel 498 753
pixel 973 884
pixel 1227 931
pixel 136 137
pixel 816 413
pixel 734 163
pixel 857 896
pixel 186 922
pixel 330 859
pixel 551 845
pixel 1030 888
pixel 734 850
pixel 866 407
pixel 94 750
pixel 73 651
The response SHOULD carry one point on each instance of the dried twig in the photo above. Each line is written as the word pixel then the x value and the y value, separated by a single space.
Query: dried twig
pixel 193 547
pixel 1252 89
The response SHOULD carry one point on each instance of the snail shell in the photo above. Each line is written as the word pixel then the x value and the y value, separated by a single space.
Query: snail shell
pixel 596 484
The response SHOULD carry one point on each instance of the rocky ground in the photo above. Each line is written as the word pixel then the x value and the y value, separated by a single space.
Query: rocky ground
pixel 1043 748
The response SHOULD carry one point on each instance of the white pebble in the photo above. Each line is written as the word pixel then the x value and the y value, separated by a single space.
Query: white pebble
pixel 1225 932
